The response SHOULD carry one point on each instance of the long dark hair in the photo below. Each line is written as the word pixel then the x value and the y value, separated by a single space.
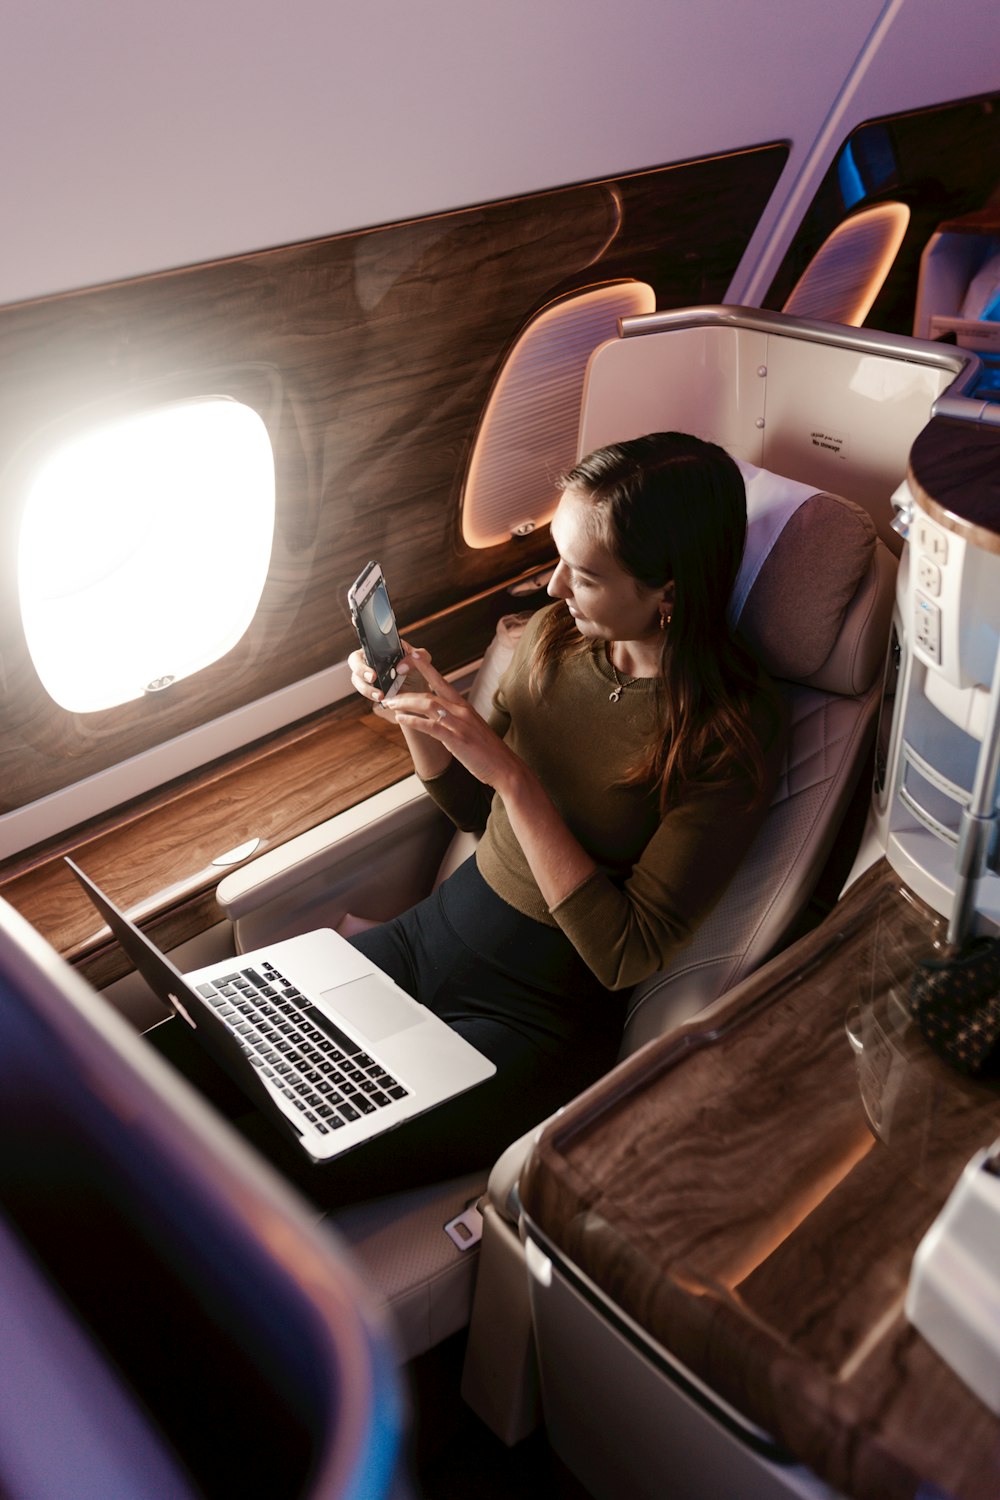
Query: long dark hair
pixel 671 507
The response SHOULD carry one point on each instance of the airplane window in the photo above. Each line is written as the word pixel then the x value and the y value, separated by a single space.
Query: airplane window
pixel 867 165
pixel 144 548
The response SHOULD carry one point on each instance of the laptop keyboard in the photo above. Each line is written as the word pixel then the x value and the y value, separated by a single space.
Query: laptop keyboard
pixel 316 1065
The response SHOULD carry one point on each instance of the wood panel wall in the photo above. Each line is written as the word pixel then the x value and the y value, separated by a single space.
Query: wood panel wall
pixel 369 356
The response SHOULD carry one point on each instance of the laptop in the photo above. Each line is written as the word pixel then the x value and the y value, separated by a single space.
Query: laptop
pixel 323 1041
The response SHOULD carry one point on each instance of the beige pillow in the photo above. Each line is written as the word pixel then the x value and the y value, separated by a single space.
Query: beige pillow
pixel 794 611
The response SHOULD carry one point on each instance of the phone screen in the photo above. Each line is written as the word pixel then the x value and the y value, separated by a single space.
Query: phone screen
pixel 376 625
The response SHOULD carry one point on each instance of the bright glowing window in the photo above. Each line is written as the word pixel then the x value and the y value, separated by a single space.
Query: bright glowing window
pixel 144 549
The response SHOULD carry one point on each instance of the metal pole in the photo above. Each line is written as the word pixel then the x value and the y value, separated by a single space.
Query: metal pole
pixel 978 819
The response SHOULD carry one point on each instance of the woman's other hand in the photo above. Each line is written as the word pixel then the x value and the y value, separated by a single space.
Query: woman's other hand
pixel 442 714
pixel 430 759
pixel 439 724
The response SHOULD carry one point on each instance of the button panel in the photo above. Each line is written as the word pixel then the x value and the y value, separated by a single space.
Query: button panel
pixel 931 542
pixel 930 546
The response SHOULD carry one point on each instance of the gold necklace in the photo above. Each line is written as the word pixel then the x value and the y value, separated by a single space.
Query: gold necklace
pixel 619 686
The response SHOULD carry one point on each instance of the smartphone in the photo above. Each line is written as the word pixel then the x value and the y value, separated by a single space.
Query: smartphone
pixel 375 623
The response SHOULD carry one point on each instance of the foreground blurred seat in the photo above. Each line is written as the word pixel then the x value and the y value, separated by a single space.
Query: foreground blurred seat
pixel 173 1324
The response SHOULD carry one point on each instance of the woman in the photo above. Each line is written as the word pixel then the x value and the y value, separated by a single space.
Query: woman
pixel 628 762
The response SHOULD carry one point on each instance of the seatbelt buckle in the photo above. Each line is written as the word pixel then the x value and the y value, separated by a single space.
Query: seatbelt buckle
pixel 466 1229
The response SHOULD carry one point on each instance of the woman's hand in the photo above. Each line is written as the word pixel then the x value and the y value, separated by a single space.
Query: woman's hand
pixel 557 860
pixel 442 714
pixel 430 759
pixel 439 724
pixel 363 679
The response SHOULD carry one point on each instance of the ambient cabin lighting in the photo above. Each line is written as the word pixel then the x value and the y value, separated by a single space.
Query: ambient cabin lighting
pixel 144 549
pixel 841 282
pixel 528 432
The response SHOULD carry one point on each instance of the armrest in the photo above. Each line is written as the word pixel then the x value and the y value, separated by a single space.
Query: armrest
pixel 501 1189
pixel 374 859
pixel 279 870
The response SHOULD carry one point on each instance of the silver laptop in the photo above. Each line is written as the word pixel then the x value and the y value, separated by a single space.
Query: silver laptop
pixel 320 1038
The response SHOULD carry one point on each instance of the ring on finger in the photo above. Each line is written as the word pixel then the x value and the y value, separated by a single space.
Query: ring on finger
pixel 442 713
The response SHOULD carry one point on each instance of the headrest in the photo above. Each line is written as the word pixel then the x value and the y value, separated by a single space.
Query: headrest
pixel 771 501
pixel 798 602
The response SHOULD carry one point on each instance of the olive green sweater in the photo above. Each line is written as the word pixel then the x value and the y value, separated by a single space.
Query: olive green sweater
pixel 657 877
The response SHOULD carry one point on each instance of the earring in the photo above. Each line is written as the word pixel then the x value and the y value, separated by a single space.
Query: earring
pixel 665 621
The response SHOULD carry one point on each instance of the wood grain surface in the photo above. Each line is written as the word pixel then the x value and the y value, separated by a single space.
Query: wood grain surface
pixel 155 859
pixel 752 1194
pixel 954 471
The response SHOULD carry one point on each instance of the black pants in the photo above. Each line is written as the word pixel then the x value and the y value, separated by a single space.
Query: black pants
pixel 519 992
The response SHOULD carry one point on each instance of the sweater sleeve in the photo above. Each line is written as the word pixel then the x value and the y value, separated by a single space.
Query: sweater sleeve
pixel 456 791
pixel 461 797
pixel 627 930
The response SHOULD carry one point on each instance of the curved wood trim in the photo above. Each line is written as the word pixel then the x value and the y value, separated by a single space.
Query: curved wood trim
pixel 954 473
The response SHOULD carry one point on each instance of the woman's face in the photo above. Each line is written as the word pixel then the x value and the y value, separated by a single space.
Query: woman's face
pixel 606 602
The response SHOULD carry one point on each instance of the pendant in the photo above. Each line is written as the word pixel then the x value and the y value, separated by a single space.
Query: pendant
pixel 613 697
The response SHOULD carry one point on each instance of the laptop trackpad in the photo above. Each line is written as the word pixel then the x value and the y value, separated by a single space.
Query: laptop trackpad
pixel 372 1007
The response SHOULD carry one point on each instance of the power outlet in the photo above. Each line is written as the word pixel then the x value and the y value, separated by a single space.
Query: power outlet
pixel 927 628
pixel 928 576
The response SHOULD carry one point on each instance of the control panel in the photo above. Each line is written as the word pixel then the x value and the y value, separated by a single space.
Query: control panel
pixel 930 547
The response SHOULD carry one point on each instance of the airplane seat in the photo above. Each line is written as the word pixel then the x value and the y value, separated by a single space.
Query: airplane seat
pixel 174 1325
pixel 818 617
pixel 817 609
